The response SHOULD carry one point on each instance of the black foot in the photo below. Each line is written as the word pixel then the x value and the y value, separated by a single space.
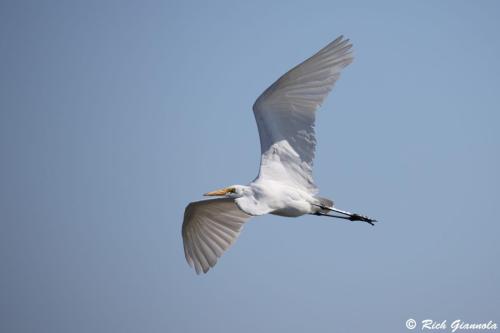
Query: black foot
pixel 356 217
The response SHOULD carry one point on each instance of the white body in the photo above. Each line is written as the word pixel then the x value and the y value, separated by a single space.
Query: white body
pixel 271 197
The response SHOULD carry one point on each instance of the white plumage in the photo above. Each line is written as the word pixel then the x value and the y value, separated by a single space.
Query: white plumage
pixel 211 227
pixel 285 115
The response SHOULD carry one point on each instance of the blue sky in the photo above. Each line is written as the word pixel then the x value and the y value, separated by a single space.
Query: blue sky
pixel 115 115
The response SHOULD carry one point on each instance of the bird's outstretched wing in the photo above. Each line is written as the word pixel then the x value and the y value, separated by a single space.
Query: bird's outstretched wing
pixel 210 227
pixel 285 115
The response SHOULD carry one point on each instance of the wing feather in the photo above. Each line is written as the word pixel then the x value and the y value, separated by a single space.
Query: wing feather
pixel 212 242
pixel 210 227
pixel 285 115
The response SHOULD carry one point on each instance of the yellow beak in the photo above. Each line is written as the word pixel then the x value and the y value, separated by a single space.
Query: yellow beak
pixel 222 191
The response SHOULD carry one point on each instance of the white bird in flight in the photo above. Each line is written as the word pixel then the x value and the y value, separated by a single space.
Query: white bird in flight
pixel 285 115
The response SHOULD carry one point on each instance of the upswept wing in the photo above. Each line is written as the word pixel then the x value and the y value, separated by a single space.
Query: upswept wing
pixel 210 227
pixel 285 115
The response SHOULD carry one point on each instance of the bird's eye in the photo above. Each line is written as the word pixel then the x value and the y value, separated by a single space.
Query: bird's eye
pixel 232 190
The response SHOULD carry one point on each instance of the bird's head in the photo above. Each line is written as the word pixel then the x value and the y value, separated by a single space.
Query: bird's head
pixel 233 191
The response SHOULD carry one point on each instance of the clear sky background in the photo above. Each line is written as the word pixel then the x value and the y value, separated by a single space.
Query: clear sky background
pixel 115 115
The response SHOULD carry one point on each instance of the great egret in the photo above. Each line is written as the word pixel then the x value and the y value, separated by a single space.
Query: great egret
pixel 285 115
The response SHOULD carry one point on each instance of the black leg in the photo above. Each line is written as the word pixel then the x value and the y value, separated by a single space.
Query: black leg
pixel 350 217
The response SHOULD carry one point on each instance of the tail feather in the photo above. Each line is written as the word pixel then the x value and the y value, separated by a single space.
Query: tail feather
pixel 324 204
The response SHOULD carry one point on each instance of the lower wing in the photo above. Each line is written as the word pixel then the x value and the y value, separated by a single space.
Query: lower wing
pixel 210 227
